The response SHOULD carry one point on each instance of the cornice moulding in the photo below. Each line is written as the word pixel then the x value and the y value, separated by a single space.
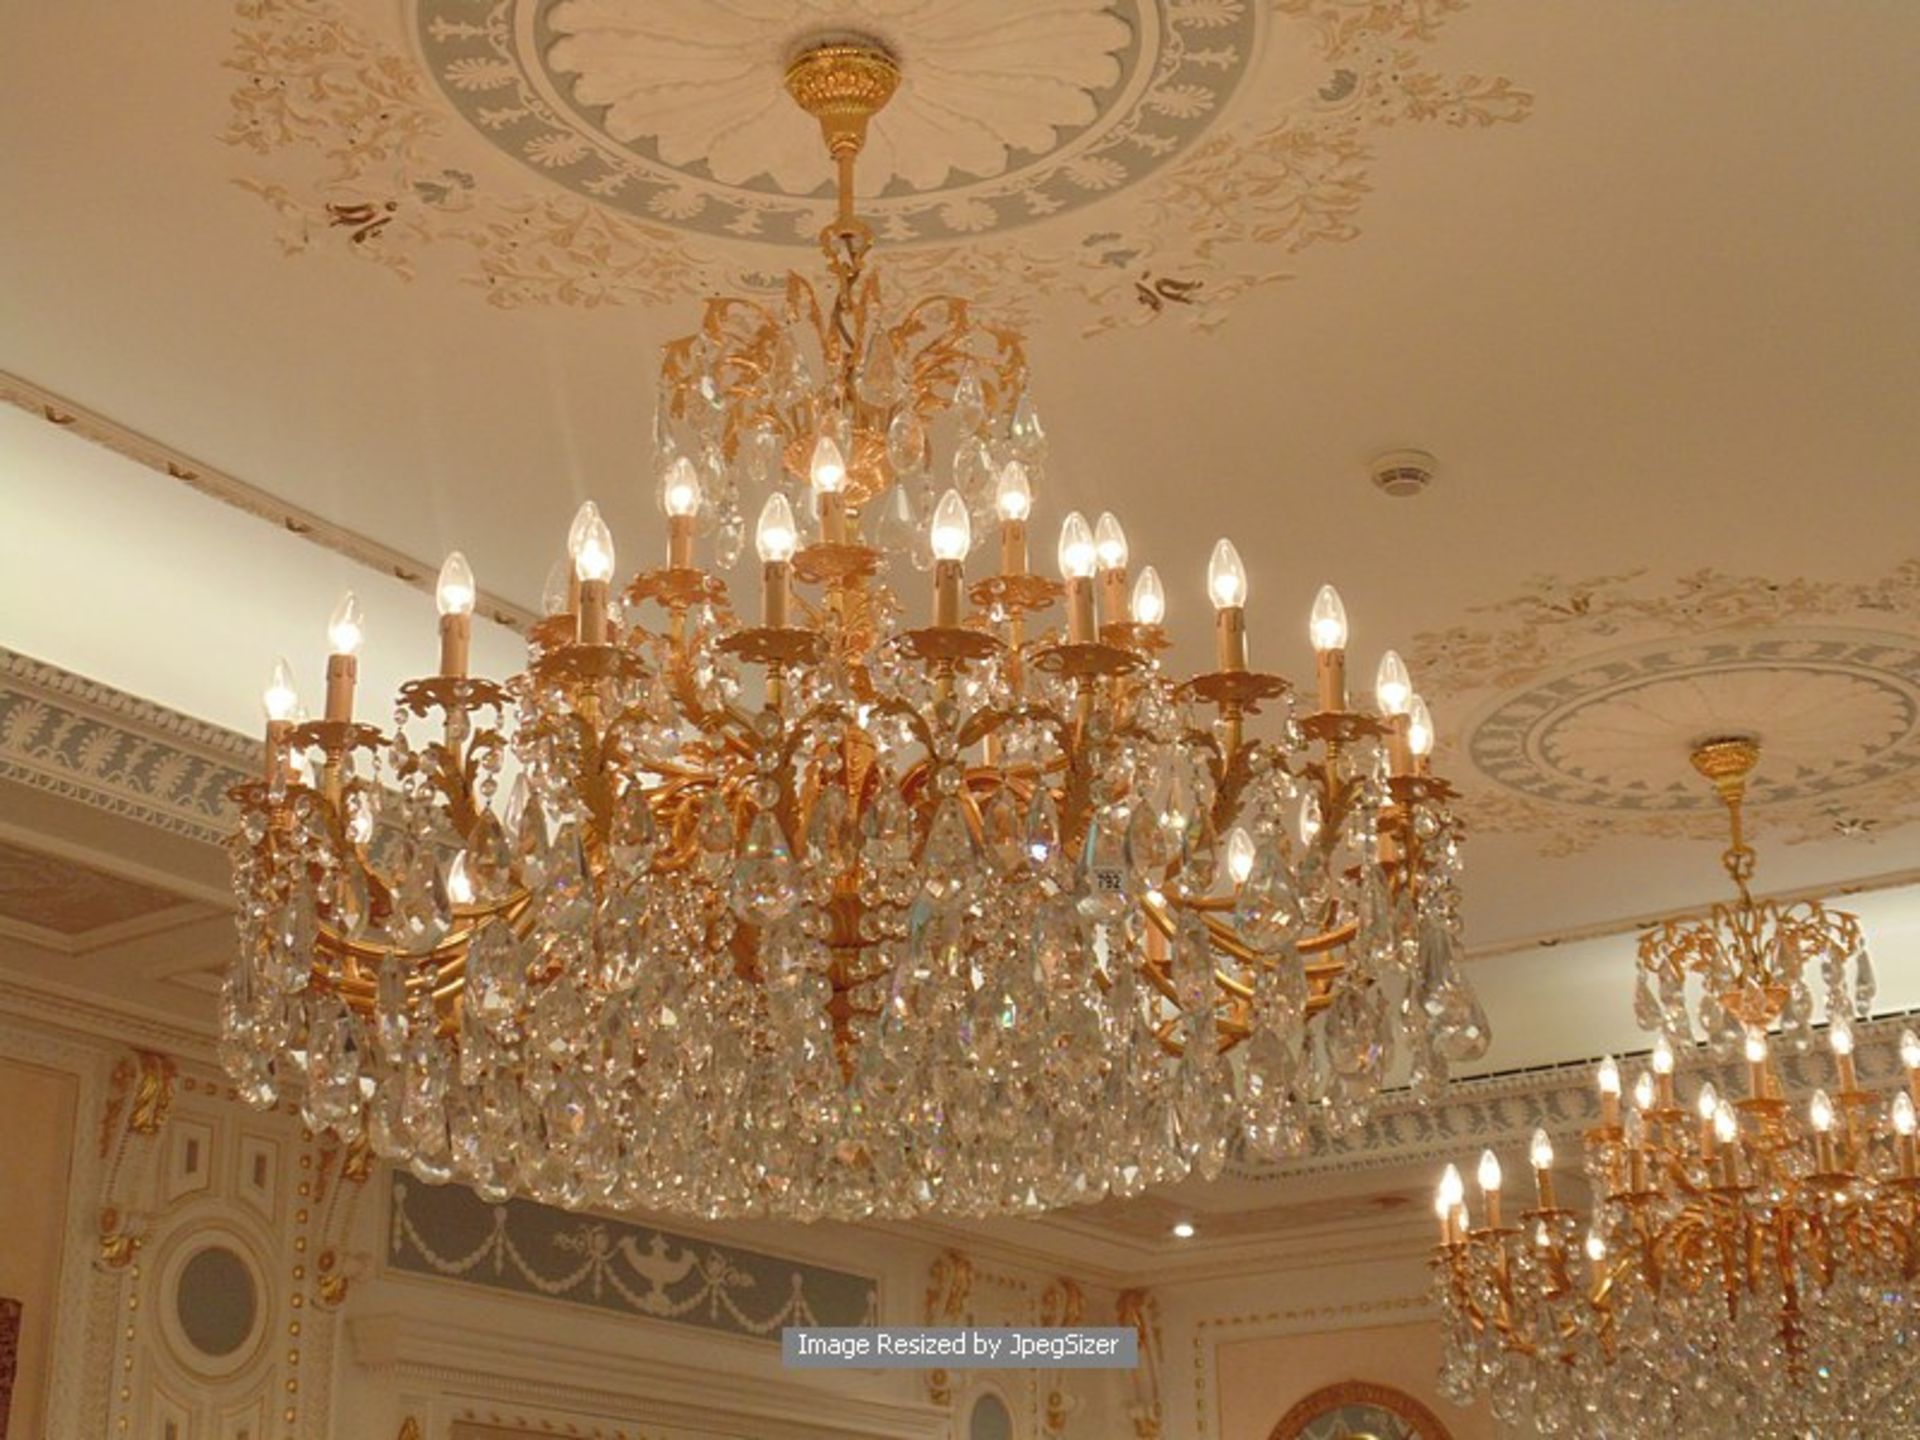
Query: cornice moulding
pixel 93 1017
pixel 230 489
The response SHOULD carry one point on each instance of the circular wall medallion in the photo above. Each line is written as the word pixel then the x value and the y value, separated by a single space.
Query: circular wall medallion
pixel 1008 111
pixel 213 1311
pixel 1835 711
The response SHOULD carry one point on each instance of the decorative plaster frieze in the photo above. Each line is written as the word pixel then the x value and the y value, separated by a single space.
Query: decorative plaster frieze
pixel 74 737
pixel 448 1233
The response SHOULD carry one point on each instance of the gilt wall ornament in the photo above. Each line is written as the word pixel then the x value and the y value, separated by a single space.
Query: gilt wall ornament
pixel 1138 157
pixel 1581 697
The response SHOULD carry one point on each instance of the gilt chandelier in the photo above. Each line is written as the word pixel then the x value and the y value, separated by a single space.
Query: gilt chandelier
pixel 851 910
pixel 1751 1267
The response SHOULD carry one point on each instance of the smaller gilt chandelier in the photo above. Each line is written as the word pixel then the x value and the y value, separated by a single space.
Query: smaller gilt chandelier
pixel 838 910
pixel 1751 1267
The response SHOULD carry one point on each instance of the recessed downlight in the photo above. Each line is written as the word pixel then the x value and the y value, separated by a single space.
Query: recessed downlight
pixel 1183 1230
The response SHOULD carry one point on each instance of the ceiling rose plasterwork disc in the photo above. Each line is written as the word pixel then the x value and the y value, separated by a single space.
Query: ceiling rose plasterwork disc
pixel 1584 698
pixel 1008 111
pixel 1145 157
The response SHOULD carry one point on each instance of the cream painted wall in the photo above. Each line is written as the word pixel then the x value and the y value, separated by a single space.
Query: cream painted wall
pixel 1260 1380
pixel 36 1139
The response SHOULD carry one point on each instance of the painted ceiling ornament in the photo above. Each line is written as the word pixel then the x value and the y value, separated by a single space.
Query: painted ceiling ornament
pixel 1136 157
pixel 697 83
pixel 1582 694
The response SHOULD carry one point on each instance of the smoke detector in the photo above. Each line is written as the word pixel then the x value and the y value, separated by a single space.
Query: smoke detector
pixel 1403 472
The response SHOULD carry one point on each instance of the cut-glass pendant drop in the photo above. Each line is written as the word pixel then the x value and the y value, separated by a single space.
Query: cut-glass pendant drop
pixel 764 886
pixel 1029 439
pixel 906 443
pixel 970 401
pixel 948 860
pixel 1043 831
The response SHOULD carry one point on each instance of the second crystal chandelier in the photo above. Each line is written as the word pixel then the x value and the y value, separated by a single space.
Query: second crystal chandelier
pixel 833 914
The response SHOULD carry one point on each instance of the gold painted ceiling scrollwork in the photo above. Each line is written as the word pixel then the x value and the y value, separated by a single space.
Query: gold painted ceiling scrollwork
pixel 1122 177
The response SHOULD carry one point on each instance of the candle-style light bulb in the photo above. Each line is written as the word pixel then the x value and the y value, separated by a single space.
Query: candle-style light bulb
pixel 1327 623
pixel 459 881
pixel 1110 542
pixel 1013 495
pixel 952 533
pixel 1013 501
pixel 1452 1191
pixel 1226 576
pixel 1662 1056
pixel 1820 1113
pixel 1541 1150
pixel 1419 728
pixel 1910 1050
pixel 775 536
pixel 1446 1203
pixel 347 628
pixel 1149 606
pixel 1904 1118
pixel 1726 1124
pixel 1239 855
pixel 1756 1047
pixel 1707 1103
pixel 345 631
pixel 1489 1175
pixel 280 700
pixel 1643 1092
pixel 455 592
pixel 828 468
pixel 1596 1246
pixel 590 543
pixel 1608 1077
pixel 1392 685
pixel 1840 1035
pixel 1078 558
pixel 680 488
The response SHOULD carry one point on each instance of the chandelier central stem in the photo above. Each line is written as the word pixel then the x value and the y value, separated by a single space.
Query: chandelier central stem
pixel 843 84
pixel 1727 761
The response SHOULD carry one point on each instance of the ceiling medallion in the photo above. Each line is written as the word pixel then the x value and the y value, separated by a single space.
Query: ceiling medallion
pixel 669 109
pixel 1746 1271
pixel 1595 744
pixel 848 910
pixel 1135 158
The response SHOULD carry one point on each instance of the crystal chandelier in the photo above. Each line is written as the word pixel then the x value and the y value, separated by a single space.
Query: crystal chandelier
pixel 837 914
pixel 1750 1265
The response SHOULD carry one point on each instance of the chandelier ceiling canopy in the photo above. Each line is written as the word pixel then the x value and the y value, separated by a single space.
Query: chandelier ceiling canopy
pixel 869 904
pixel 1749 1267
